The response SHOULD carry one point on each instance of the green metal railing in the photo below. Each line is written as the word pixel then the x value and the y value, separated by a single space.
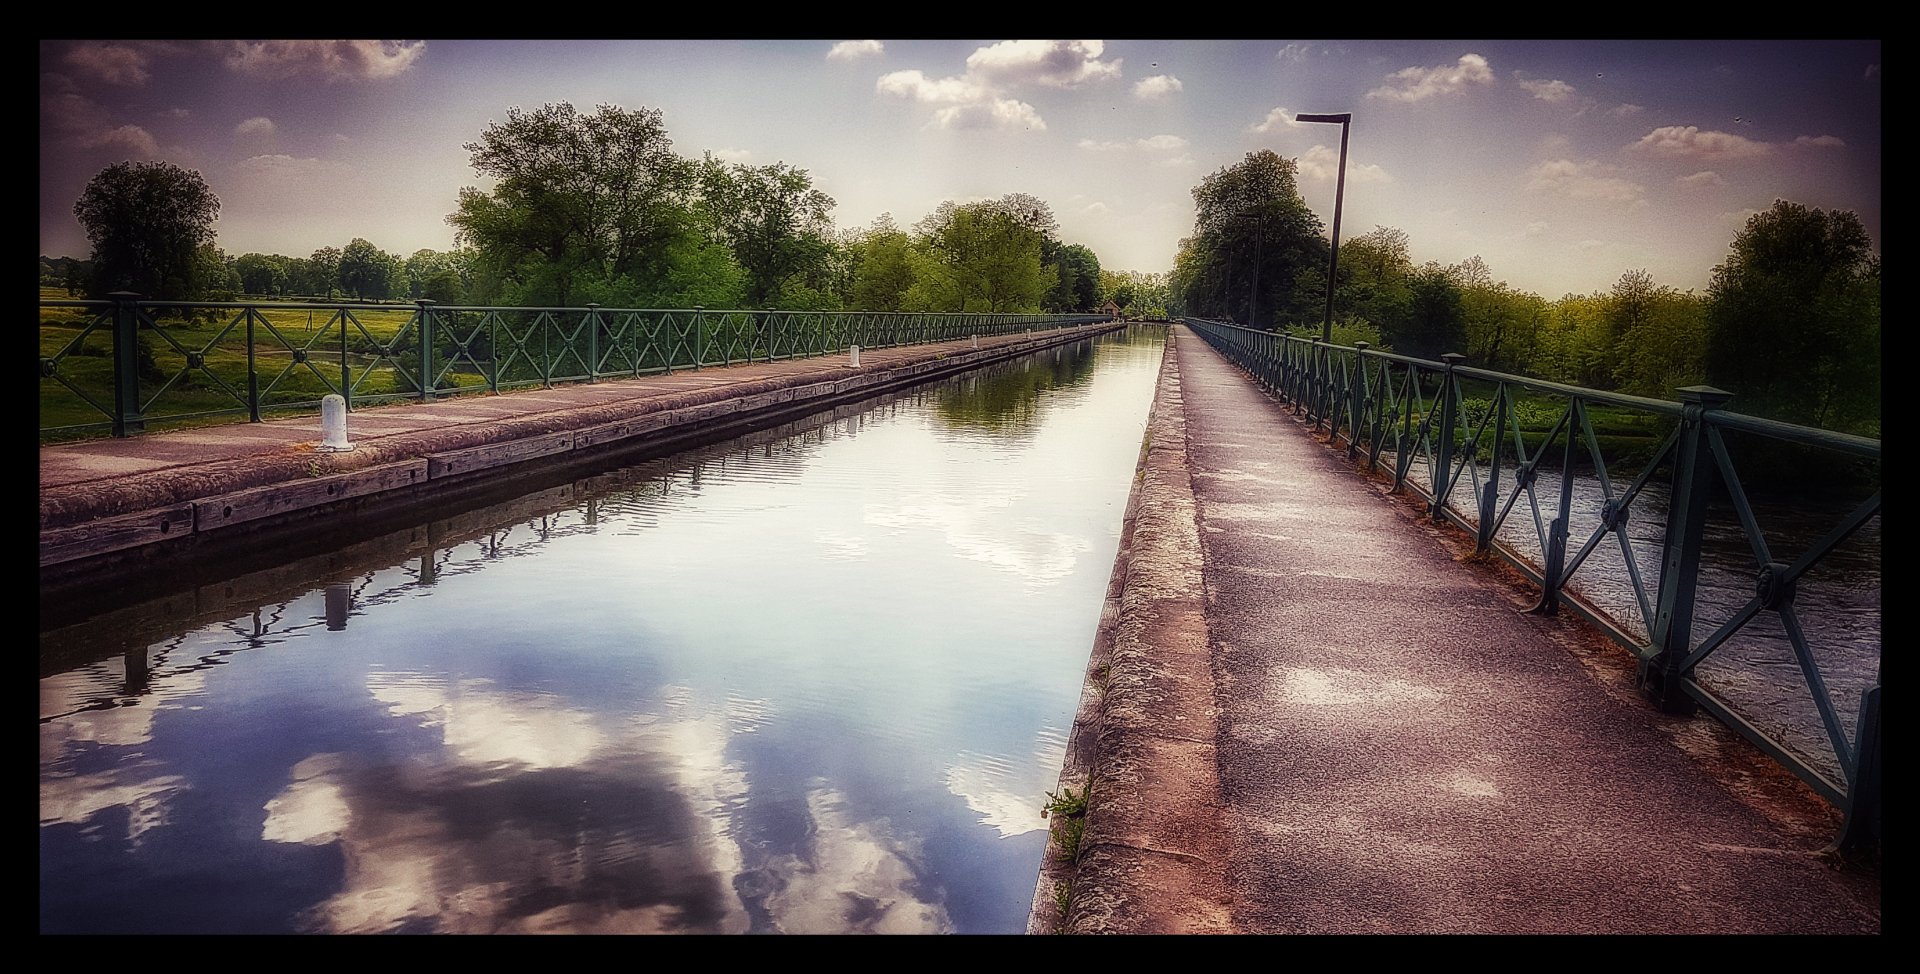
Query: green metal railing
pixel 116 366
pixel 1472 459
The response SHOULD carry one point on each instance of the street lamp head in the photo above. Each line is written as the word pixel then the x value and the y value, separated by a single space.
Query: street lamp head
pixel 1342 117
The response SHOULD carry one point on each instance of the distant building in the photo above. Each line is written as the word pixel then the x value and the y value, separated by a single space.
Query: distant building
pixel 1110 309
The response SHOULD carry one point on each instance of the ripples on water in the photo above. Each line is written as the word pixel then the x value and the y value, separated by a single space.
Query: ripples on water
pixel 817 679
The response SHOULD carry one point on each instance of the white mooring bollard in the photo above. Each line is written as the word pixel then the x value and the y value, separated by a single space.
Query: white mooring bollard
pixel 853 356
pixel 976 341
pixel 333 424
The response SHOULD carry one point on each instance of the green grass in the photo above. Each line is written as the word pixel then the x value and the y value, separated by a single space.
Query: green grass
pixel 1068 812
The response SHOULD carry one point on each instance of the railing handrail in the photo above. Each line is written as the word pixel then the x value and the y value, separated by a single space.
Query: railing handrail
pixel 1732 419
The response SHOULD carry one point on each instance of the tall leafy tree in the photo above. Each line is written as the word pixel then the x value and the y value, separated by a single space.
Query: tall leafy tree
pixel 1078 285
pixel 982 256
pixel 778 227
pixel 1436 322
pixel 1793 318
pixel 1256 245
pixel 147 222
pixel 576 197
pixel 366 271
pixel 883 267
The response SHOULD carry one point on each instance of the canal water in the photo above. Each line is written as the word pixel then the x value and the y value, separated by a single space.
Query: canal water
pixel 815 680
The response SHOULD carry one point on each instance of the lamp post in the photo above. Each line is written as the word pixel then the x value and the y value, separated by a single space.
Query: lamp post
pixel 1339 191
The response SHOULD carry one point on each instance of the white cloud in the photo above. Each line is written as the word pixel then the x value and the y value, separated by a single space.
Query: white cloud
pixel 1059 64
pixel 258 126
pixel 731 155
pixel 1417 84
pixel 113 63
pixel 285 167
pixel 1293 52
pixel 1873 71
pixel 852 50
pixel 1582 181
pixel 177 113
pixel 980 98
pixel 998 113
pixel 1092 146
pixel 126 138
pixel 1689 141
pixel 1550 91
pixel 1820 141
pixel 1625 109
pixel 1276 119
pixel 1158 86
pixel 1322 163
pixel 332 60
pixel 915 85
pixel 1175 162
pixel 1162 142
pixel 1702 178
pixel 1098 207
pixel 1555 143
pixel 65 109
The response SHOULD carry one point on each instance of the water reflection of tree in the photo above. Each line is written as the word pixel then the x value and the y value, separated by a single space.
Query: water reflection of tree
pixel 1004 400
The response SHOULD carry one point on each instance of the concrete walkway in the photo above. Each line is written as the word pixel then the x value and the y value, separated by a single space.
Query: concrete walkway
pixel 1398 749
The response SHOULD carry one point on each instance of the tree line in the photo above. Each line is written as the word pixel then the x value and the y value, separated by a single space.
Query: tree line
pixel 1790 321
pixel 597 207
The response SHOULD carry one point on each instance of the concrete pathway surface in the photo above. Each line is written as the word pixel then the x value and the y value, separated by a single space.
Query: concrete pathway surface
pixel 1400 749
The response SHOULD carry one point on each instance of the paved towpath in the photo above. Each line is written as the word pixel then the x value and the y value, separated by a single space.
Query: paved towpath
pixel 1395 747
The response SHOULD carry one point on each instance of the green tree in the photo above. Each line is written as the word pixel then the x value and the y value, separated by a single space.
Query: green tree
pixel 1375 274
pixel 263 274
pixel 367 272
pixel 1255 245
pixel 983 256
pixel 883 267
pixel 321 273
pixel 1793 319
pixel 147 222
pixel 777 226
pixel 1436 323
pixel 598 196
pixel 1078 285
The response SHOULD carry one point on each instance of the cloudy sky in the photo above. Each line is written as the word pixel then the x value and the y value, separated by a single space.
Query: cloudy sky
pixel 1562 164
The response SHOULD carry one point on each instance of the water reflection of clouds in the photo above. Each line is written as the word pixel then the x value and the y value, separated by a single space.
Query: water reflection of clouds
pixel 146 794
pixel 486 726
pixel 977 529
pixel 1008 793
pixel 551 818
pixel 138 785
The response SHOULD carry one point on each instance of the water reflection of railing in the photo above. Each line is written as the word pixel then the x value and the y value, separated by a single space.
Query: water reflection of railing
pixel 1451 449
pixel 115 366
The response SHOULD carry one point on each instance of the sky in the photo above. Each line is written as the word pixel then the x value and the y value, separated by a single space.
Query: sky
pixel 1562 164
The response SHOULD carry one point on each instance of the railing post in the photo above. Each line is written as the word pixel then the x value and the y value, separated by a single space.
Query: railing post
pixel 1671 635
pixel 346 372
pixel 1357 388
pixel 1490 491
pixel 126 364
pixel 593 341
pixel 426 348
pixel 1861 830
pixel 253 374
pixel 1556 554
pixel 1449 413
pixel 699 335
